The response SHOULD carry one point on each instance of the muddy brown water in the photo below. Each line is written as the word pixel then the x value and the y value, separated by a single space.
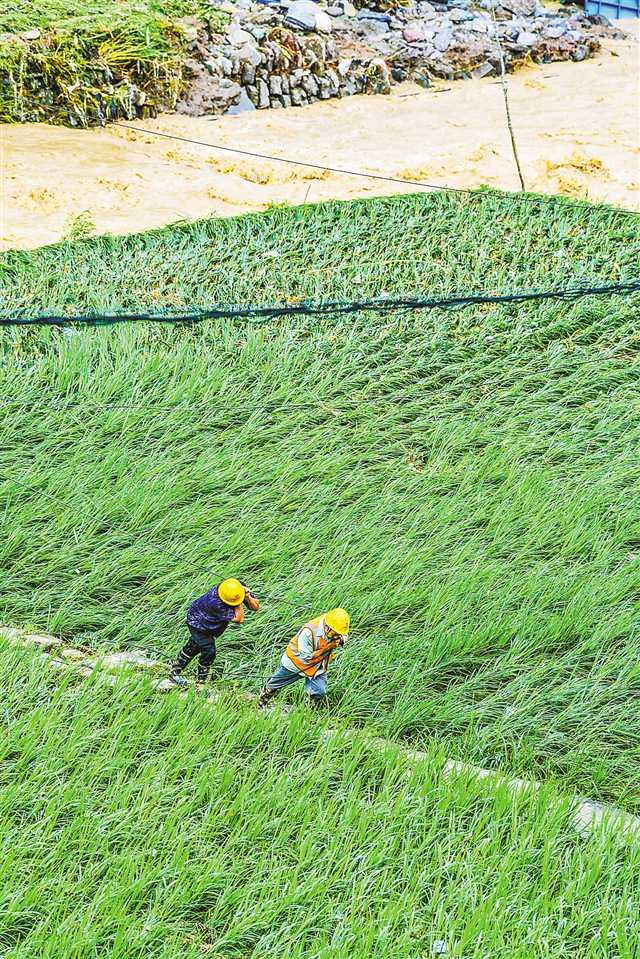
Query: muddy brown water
pixel 577 127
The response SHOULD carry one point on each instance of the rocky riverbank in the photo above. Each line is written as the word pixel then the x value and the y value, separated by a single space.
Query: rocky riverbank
pixel 293 52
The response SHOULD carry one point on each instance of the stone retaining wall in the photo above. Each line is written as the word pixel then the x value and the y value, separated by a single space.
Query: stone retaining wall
pixel 292 53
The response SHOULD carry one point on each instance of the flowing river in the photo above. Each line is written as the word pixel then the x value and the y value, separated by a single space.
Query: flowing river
pixel 577 127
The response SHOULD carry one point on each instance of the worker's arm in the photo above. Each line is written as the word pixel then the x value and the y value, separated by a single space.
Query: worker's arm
pixel 250 600
pixel 238 616
pixel 312 655
pixel 305 645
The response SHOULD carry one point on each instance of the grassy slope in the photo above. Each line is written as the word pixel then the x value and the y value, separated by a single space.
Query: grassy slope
pixel 90 14
pixel 465 482
pixel 142 827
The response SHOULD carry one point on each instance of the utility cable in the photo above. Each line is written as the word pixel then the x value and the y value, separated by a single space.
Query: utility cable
pixel 329 308
pixel 433 187
pixel 311 166
pixel 500 197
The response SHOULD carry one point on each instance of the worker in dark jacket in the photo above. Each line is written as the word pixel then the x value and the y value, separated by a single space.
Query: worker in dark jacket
pixel 207 618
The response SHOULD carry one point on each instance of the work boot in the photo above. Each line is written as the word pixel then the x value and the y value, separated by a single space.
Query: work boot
pixel 318 702
pixel 265 697
pixel 176 678
pixel 206 677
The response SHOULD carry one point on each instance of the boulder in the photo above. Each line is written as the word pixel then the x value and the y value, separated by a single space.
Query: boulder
pixel 249 54
pixel 516 8
pixel 374 15
pixel 248 75
pixel 413 34
pixel 526 39
pixel 373 28
pixel 124 658
pixel 443 38
pixel 555 29
pixel 72 654
pixel 483 70
pixel 310 85
pixel 263 95
pixel 244 104
pixel 334 82
pixel 308 16
pixel 238 37
pixel 43 641
pixel 458 15
pixel 379 77
pixel 323 22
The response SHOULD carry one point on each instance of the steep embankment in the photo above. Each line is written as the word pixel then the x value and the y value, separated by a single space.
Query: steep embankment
pixel 465 482
pixel 140 826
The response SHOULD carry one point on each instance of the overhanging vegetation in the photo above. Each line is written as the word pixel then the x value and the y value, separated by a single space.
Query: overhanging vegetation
pixel 89 59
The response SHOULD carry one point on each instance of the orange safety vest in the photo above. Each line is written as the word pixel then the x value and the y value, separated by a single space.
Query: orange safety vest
pixel 323 649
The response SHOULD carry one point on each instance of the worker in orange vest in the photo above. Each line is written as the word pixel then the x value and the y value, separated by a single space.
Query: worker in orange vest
pixel 307 657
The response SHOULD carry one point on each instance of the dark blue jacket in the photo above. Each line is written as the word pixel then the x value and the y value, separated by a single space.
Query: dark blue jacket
pixel 209 614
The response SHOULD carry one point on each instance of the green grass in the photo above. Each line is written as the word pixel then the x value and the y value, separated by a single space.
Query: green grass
pixel 94 16
pixel 140 826
pixel 465 482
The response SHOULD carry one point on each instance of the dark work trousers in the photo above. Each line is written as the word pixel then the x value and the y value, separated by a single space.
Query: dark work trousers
pixel 202 644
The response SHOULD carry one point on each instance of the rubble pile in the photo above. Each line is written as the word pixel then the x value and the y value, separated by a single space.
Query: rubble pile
pixel 292 52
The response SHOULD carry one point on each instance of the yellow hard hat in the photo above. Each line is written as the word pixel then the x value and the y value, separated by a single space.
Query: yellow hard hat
pixel 231 592
pixel 338 620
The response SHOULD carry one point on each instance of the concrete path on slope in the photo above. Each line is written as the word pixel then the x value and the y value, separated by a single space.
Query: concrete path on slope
pixel 588 814
pixel 577 127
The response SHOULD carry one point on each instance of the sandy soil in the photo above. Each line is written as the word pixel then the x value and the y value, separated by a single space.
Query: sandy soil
pixel 577 126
